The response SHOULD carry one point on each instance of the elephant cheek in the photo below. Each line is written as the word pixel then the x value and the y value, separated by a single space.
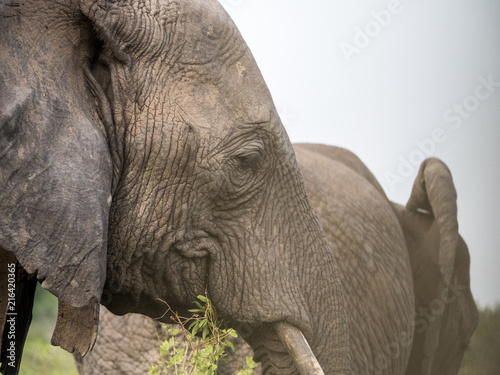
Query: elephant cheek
pixel 186 279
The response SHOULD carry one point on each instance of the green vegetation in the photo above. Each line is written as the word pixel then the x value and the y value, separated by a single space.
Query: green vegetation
pixel 483 355
pixel 39 357
pixel 195 355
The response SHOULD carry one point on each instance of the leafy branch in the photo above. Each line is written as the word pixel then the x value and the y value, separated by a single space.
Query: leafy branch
pixel 189 354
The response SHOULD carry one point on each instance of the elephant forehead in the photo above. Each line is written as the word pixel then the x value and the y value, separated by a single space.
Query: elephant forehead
pixel 192 31
pixel 213 107
pixel 207 34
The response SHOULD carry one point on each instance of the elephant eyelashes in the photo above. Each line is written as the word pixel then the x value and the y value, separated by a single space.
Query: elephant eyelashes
pixel 251 160
pixel 243 167
pixel 250 156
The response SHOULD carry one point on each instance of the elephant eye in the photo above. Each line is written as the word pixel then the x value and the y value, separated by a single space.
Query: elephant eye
pixel 241 168
pixel 251 160
pixel 250 156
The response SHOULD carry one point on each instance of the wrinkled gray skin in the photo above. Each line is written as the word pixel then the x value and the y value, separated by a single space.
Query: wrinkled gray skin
pixel 359 223
pixel 130 344
pixel 142 160
pixel 445 313
pixel 135 344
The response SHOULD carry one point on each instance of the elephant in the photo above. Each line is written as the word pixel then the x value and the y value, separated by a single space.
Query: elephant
pixel 440 334
pixel 446 315
pixel 142 161
pixel 130 345
pixel 368 243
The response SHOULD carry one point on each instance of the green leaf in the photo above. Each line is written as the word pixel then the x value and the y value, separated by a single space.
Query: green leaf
pixel 251 363
pixel 204 333
pixel 231 332
pixel 175 331
pixel 210 348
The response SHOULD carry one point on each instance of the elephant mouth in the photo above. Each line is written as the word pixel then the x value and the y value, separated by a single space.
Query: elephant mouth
pixel 282 349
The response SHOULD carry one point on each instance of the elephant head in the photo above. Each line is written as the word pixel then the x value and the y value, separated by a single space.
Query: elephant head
pixel 446 314
pixel 142 161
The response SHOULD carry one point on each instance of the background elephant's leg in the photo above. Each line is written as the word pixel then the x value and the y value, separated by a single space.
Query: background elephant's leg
pixel 236 360
pixel 127 344
pixel 130 344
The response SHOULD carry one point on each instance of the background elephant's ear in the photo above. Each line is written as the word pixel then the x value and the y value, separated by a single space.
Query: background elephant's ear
pixel 434 191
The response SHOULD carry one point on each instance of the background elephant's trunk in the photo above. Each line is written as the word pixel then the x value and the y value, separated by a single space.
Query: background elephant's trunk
pixel 299 349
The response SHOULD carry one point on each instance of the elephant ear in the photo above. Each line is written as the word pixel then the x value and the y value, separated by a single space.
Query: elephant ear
pixel 122 27
pixel 434 191
pixel 55 166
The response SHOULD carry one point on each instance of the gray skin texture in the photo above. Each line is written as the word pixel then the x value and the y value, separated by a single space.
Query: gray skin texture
pixel 142 160
pixel 130 344
pixel 131 349
pixel 446 315
pixel 445 312
pixel 365 236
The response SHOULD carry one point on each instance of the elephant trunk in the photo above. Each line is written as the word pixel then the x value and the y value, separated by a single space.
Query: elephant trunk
pixel 298 348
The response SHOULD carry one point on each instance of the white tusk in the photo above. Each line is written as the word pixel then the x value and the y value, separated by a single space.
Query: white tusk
pixel 298 348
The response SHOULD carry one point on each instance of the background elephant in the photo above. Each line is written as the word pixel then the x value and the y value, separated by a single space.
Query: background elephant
pixel 131 349
pixel 142 159
pixel 130 344
pixel 445 311
pixel 365 236
pixel 446 315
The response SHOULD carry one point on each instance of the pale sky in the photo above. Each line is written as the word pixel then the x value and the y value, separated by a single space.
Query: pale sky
pixel 388 79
